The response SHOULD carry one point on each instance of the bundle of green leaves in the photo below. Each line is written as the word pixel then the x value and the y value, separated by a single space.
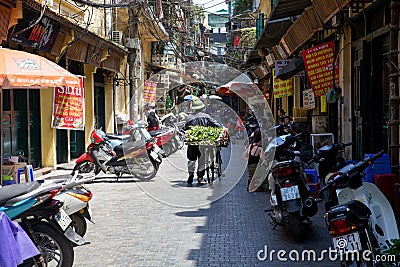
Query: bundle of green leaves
pixel 204 135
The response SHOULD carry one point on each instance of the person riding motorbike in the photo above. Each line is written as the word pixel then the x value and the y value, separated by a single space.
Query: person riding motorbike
pixel 196 152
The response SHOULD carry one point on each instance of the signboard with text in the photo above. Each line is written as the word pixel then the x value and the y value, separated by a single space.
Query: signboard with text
pixel 308 99
pixel 150 93
pixel 282 88
pixel 69 107
pixel 318 61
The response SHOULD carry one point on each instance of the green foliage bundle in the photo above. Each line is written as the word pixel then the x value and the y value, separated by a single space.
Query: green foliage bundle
pixel 204 135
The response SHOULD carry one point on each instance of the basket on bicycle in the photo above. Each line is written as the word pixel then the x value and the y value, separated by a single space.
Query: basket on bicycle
pixel 201 135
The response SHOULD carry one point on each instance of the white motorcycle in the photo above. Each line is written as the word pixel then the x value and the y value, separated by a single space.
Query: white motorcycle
pixel 363 220
pixel 76 200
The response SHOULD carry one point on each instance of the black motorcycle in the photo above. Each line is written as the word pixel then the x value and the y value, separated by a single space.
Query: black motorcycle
pixel 329 161
pixel 291 199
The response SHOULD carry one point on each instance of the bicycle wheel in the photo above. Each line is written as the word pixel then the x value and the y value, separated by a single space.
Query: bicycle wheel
pixel 218 160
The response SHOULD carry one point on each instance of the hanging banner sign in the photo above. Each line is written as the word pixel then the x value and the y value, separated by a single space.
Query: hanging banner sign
pixel 41 35
pixel 69 107
pixel 150 93
pixel 282 88
pixel 308 99
pixel 318 61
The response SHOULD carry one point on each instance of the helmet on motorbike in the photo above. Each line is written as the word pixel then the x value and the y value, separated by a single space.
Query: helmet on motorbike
pixel 98 136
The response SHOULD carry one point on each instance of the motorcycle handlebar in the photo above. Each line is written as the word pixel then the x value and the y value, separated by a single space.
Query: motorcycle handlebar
pixel 348 144
pixel 358 167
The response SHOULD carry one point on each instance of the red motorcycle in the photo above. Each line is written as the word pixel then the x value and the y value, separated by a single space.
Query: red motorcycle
pixel 138 158
pixel 236 128
pixel 166 139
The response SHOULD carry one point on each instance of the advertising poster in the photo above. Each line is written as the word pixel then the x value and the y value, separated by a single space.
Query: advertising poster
pixel 308 99
pixel 282 88
pixel 69 107
pixel 150 93
pixel 318 61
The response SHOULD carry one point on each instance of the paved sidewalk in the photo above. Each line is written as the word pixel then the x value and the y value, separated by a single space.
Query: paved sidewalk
pixel 163 222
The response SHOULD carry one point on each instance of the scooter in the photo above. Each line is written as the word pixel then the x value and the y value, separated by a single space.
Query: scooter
pixel 291 198
pixel 76 200
pixel 138 158
pixel 363 220
pixel 43 219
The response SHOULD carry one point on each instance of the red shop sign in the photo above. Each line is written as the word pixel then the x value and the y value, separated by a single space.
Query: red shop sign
pixel 318 61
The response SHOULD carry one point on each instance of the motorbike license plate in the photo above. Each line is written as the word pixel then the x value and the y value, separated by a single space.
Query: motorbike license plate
pixel 63 219
pixel 156 148
pixel 289 193
pixel 154 155
pixel 347 243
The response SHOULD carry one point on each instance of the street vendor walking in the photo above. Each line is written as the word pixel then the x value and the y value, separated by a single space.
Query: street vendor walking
pixel 196 152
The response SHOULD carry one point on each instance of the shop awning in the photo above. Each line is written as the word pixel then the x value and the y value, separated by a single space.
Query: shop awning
pixel 292 68
pixel 301 30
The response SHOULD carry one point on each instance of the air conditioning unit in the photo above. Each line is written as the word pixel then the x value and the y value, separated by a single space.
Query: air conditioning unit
pixel 116 37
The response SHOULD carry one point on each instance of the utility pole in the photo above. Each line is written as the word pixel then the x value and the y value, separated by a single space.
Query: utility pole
pixel 133 50
pixel 394 99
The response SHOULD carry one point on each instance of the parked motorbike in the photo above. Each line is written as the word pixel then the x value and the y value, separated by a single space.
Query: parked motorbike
pixel 236 128
pixel 290 199
pixel 76 200
pixel 329 161
pixel 139 158
pixel 363 220
pixel 43 219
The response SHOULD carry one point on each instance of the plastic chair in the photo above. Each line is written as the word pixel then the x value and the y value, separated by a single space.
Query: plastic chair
pixel 29 168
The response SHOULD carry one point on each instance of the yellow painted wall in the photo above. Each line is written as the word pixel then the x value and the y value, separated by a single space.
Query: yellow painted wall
pixel 48 134
pixel 88 83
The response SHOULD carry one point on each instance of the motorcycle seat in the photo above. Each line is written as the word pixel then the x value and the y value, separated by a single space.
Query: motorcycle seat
pixel 12 191
pixel 119 137
pixel 158 132
pixel 353 208
pixel 133 145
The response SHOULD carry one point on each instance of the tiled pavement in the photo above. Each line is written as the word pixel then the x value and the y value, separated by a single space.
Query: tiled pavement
pixel 166 223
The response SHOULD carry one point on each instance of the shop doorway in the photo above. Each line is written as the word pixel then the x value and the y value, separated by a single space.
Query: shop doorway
pixel 371 97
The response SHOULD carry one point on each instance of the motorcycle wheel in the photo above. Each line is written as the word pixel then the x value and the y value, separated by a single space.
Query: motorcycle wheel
pixel 150 174
pixel 55 249
pixel 168 149
pixel 78 223
pixel 85 167
pixel 239 134
pixel 296 226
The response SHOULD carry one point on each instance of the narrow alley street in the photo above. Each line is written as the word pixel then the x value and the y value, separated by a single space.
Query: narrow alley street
pixel 151 224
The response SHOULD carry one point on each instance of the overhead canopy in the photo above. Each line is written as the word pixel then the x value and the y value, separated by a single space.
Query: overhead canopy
pixel 20 69
pixel 292 68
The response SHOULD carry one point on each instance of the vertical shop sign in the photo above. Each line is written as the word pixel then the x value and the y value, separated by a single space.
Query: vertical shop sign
pixel 150 93
pixel 324 106
pixel 236 41
pixel 282 88
pixel 319 61
pixel 308 99
pixel 69 107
